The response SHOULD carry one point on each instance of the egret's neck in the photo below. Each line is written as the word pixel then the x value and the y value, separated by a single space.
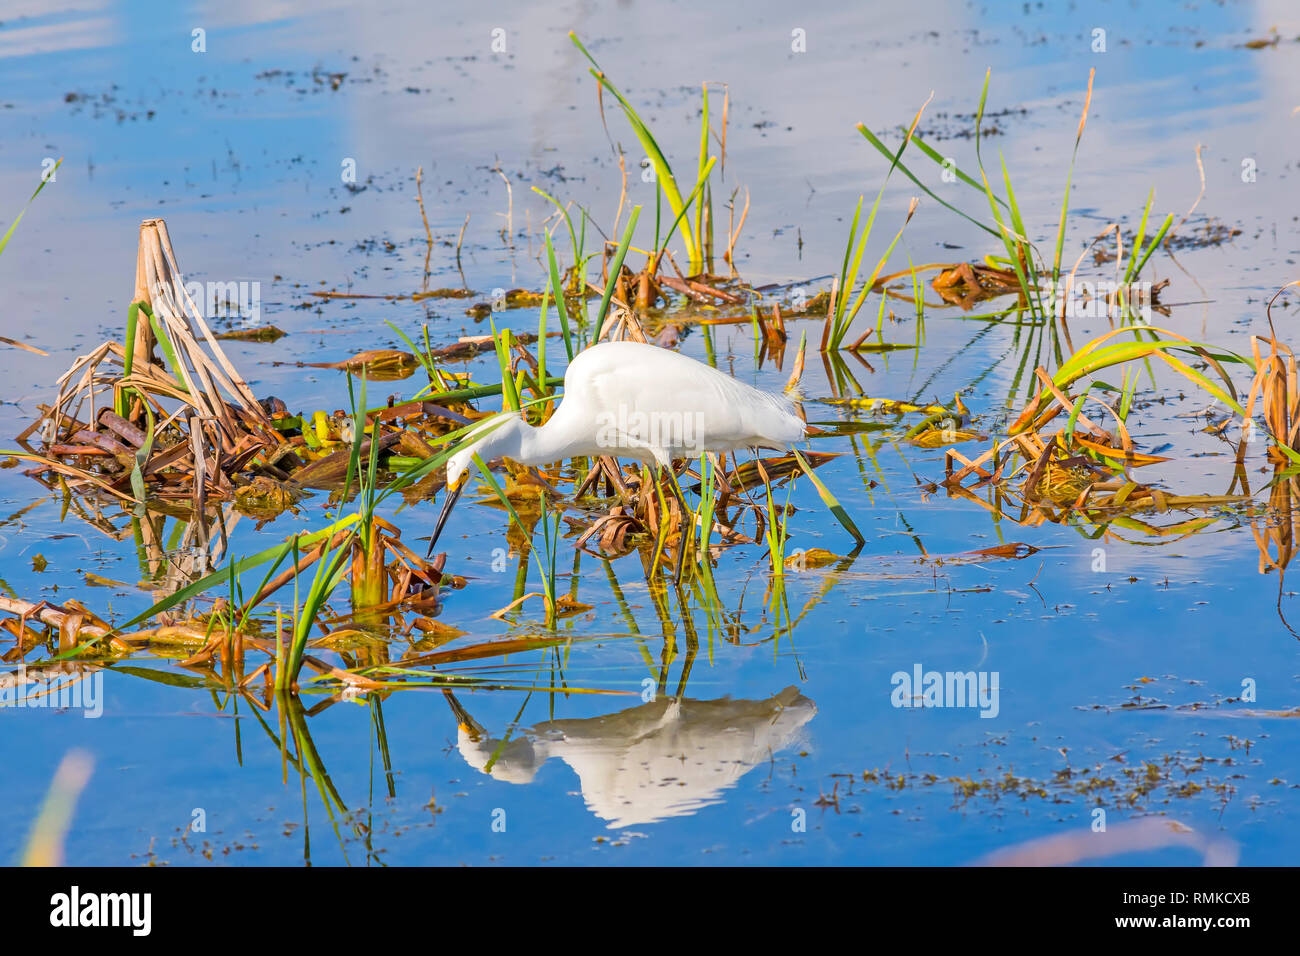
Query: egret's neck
pixel 536 445
pixel 559 438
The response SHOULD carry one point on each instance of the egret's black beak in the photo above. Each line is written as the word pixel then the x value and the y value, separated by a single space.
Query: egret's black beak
pixel 449 502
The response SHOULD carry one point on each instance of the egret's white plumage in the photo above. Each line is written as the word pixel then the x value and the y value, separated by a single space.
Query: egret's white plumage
pixel 632 400
pixel 640 401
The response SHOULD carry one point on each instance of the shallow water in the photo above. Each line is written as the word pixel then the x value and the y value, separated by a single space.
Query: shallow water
pixel 766 743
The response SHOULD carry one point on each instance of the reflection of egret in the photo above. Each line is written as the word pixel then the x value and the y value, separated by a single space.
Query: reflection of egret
pixel 641 402
pixel 667 758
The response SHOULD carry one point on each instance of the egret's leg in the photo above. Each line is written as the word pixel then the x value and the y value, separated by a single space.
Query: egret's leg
pixel 720 471
pixel 681 556
pixel 681 536
pixel 656 483
pixel 650 487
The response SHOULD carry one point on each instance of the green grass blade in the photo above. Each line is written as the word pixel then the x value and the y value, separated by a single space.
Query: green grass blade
pixel 45 178
pixel 616 267
pixel 902 167
pixel 830 500
pixel 557 290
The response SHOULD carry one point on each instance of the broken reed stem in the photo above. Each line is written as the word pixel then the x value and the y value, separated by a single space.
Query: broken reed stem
pixel 428 233
pixel 460 240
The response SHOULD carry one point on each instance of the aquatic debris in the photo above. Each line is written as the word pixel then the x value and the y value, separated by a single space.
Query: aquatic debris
pixel 22 345
pixel 1264 43
pixel 128 425
pixel 965 284
pixel 1207 234
pixel 749 474
pixel 468 346
pixel 1011 551
pixel 1084 476
pixel 380 365
pixel 262 333
pixel 214 429
pixel 215 647
pixel 265 497
pixel 812 559
pixel 886 406
pixel 937 436
pixel 414 296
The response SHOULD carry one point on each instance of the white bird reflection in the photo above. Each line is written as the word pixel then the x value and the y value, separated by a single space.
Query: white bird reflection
pixel 668 758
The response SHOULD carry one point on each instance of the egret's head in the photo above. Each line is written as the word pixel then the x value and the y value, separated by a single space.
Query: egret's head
pixel 492 438
pixel 458 468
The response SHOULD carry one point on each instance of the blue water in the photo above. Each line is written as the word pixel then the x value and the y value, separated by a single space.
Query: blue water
pixel 767 743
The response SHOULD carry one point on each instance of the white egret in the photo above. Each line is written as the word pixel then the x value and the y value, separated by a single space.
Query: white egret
pixel 636 401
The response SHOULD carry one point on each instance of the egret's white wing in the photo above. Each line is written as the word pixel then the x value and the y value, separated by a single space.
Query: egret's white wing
pixel 655 398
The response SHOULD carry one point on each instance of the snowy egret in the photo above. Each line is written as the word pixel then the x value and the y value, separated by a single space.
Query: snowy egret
pixel 636 401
